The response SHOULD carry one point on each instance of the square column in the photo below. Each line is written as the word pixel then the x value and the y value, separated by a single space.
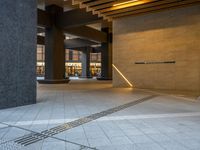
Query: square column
pixel 18 32
pixel 85 59
pixel 106 58
pixel 54 49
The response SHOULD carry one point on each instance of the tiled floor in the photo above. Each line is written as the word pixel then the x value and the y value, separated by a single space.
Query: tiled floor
pixel 160 123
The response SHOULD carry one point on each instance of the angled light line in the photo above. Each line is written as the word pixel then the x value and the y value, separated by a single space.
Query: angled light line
pixel 129 83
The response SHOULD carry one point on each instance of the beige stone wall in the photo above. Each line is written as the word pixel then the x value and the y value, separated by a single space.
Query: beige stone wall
pixel 172 35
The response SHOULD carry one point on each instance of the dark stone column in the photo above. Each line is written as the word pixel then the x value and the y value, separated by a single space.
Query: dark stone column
pixel 18 30
pixel 106 57
pixel 85 59
pixel 54 50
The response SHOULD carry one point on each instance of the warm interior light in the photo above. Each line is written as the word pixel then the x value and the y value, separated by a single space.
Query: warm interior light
pixel 129 83
pixel 123 3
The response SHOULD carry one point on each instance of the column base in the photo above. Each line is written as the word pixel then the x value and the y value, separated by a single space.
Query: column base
pixel 45 81
pixel 90 77
pixel 103 78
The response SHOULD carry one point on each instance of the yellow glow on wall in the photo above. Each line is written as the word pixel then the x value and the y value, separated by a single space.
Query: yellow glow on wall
pixel 129 83
pixel 127 2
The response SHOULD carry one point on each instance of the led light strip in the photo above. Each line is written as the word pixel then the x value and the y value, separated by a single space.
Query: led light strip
pixel 123 3
pixel 129 83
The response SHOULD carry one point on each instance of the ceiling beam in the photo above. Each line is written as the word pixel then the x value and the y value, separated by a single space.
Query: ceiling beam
pixel 78 43
pixel 92 34
pixel 84 32
pixel 88 33
pixel 71 43
pixel 43 18
pixel 77 17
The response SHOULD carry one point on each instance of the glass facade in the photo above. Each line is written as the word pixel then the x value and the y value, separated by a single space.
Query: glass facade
pixel 40 60
pixel 66 55
pixel 95 65
pixel 76 55
pixel 73 64
pixel 95 57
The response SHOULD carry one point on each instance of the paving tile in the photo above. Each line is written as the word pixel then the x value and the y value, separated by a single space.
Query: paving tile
pixel 159 137
pixel 173 145
pixel 133 132
pixel 53 146
pixel 140 139
pixel 114 133
pixel 99 142
pixel 191 143
pixel 93 135
pixel 118 147
pixel 148 146
pixel 121 140
pixel 79 141
pixel 149 130
pixel 140 127
pixel 75 135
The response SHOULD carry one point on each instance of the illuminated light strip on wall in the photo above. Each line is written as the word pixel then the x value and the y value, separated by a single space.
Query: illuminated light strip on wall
pixel 129 83
pixel 123 3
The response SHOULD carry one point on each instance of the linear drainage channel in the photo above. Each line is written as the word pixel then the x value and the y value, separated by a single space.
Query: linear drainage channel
pixel 35 137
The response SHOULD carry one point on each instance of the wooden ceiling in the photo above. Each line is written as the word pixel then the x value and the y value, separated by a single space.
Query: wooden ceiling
pixel 111 9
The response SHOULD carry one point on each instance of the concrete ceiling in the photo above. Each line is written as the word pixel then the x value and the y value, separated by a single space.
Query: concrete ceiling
pixel 96 26
pixel 66 4
pixel 69 8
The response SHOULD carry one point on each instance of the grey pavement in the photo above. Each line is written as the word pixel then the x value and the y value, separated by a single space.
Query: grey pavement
pixel 161 123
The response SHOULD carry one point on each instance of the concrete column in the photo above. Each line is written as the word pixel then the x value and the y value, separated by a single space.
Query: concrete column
pixel 54 50
pixel 85 59
pixel 18 30
pixel 106 57
pixel 71 55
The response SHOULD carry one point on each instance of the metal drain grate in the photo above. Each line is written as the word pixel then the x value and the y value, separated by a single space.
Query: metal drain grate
pixel 35 137
pixel 30 138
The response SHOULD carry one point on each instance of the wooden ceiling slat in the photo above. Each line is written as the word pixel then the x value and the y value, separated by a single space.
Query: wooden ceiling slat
pixel 122 7
pixel 103 6
pixel 156 8
pixel 107 10
pixel 75 2
pixel 84 1
pixel 99 2
pixel 108 4
pixel 146 5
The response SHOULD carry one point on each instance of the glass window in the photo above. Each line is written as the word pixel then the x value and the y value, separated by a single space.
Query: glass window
pixel 66 55
pixel 40 53
pixel 95 57
pixel 76 55
pixel 40 60
pixel 99 57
